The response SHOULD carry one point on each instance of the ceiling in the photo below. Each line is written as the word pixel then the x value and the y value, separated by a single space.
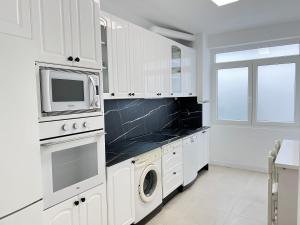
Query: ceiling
pixel 196 16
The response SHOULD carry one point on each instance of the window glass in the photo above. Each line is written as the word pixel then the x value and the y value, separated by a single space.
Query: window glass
pixel 276 86
pixel 232 94
pixel 259 53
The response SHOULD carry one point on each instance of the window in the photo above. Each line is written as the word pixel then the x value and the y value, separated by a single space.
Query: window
pixel 259 53
pixel 276 90
pixel 259 91
pixel 232 86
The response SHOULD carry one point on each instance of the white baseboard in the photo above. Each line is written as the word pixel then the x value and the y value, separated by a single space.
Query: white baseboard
pixel 238 166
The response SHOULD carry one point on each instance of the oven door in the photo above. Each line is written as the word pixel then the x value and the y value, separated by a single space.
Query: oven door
pixel 64 91
pixel 71 166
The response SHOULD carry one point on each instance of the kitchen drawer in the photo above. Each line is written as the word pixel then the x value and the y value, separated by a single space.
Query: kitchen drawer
pixel 173 179
pixel 172 155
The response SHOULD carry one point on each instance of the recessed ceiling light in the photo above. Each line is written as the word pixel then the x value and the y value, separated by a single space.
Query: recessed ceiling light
pixel 224 2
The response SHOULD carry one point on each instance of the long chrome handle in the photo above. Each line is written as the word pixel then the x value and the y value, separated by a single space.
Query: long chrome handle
pixel 94 90
pixel 67 139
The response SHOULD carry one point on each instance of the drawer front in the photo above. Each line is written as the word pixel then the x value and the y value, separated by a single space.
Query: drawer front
pixel 172 155
pixel 172 180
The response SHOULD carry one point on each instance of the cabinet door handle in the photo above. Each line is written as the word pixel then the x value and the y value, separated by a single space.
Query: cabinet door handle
pixel 132 94
pixel 112 94
pixel 82 199
pixel 76 203
pixel 70 58
pixel 133 161
pixel 174 153
pixel 157 94
pixel 129 94
pixel 174 173
pixel 77 59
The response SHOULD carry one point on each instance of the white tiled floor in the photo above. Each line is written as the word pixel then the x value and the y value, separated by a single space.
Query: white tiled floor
pixel 221 196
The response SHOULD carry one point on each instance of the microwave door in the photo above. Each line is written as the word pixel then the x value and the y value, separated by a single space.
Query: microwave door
pixel 64 91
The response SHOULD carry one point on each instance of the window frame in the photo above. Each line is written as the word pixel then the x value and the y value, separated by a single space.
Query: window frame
pixel 252 64
pixel 276 61
pixel 232 65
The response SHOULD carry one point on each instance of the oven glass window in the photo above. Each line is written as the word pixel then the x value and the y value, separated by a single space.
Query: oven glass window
pixel 67 90
pixel 74 165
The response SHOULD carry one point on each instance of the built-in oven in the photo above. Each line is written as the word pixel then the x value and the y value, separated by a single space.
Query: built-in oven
pixel 65 91
pixel 73 160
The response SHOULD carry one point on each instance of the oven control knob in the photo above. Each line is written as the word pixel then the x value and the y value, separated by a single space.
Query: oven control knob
pixel 65 127
pixel 75 126
pixel 85 124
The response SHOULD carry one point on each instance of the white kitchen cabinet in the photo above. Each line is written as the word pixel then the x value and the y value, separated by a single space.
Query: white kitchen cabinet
pixel 88 208
pixel 69 32
pixel 172 167
pixel 120 196
pixel 202 148
pixel 30 215
pixel 120 58
pixel 188 72
pixel 136 48
pixel 176 66
pixel 158 66
pixel 15 17
pixel 93 207
pixel 86 33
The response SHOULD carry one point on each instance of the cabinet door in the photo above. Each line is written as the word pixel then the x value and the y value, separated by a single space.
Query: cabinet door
pixel 86 33
pixel 136 48
pixel 176 67
pixel 206 146
pixel 188 72
pixel 152 65
pixel 165 66
pixel 65 213
pixel 92 210
pixel 120 194
pixel 15 17
pixel 55 41
pixel 120 58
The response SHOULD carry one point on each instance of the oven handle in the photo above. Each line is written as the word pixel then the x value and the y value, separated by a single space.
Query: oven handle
pixel 66 140
pixel 94 91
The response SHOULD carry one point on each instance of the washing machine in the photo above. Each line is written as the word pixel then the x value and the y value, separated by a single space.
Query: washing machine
pixel 148 186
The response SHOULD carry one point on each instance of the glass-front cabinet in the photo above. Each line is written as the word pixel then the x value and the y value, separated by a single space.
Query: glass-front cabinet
pixel 106 54
pixel 176 71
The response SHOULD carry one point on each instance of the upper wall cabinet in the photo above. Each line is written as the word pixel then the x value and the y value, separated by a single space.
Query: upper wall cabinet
pixel 157 66
pixel 69 32
pixel 15 17
pixel 188 72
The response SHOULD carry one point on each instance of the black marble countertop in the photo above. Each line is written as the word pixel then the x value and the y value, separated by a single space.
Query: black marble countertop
pixel 123 150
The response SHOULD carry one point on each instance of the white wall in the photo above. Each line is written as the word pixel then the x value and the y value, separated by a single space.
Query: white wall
pixel 247 147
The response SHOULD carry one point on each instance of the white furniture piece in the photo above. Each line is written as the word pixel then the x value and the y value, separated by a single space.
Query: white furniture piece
pixel 29 215
pixel 15 18
pixel 147 183
pixel 202 148
pixel 195 155
pixel 190 159
pixel 120 193
pixel 172 167
pixel 138 63
pixel 68 32
pixel 88 208
pixel 287 163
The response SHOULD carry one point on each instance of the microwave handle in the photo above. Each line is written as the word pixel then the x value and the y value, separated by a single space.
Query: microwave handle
pixel 63 140
pixel 94 90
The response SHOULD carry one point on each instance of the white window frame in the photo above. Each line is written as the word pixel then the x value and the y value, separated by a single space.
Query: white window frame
pixel 252 65
pixel 232 65
pixel 276 61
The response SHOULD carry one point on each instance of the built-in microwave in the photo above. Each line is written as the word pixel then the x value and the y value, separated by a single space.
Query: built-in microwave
pixel 69 90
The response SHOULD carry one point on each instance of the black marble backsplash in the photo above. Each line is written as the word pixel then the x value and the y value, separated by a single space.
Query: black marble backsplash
pixel 130 118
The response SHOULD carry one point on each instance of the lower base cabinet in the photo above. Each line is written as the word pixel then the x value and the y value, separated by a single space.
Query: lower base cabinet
pixel 120 193
pixel 202 148
pixel 88 208
pixel 172 167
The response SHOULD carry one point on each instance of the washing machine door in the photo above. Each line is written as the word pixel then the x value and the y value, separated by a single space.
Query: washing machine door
pixel 149 183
